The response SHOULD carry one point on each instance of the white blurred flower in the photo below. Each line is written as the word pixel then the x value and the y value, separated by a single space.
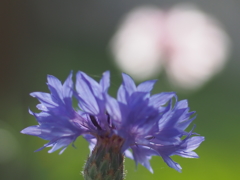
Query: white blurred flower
pixel 190 44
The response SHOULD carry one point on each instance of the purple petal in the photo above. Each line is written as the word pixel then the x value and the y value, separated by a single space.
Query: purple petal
pixel 129 84
pixel 44 98
pixel 105 81
pixel 67 90
pixel 41 107
pixel 146 86
pixel 61 143
pixel 113 109
pixel 171 163
pixel 84 89
pixel 187 154
pixel 92 141
pixel 122 95
pixel 126 89
pixel 193 143
pixel 161 99
pixel 128 154
pixel 142 155
pixel 55 87
pixel 182 104
pixel 184 124
pixel 32 130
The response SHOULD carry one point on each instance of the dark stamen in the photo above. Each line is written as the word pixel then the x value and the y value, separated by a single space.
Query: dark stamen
pixel 95 123
pixel 108 117
pixel 108 120
pixel 149 137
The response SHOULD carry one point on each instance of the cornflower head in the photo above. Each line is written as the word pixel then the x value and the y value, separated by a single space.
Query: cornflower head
pixel 136 124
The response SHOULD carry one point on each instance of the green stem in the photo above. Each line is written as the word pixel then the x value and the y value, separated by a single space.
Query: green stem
pixel 106 160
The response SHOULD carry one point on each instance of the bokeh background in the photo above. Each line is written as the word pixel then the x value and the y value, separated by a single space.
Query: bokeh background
pixel 40 37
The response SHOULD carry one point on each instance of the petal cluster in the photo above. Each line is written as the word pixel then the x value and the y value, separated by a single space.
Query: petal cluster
pixel 150 125
pixel 57 113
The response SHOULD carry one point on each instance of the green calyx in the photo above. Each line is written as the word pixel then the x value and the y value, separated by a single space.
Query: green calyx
pixel 106 160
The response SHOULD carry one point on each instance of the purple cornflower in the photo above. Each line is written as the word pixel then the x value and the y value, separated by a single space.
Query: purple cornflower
pixel 136 124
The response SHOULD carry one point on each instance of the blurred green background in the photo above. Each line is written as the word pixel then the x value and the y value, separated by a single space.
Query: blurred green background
pixel 40 37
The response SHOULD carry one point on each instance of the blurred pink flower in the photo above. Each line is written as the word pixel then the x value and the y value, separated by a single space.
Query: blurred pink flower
pixel 189 44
